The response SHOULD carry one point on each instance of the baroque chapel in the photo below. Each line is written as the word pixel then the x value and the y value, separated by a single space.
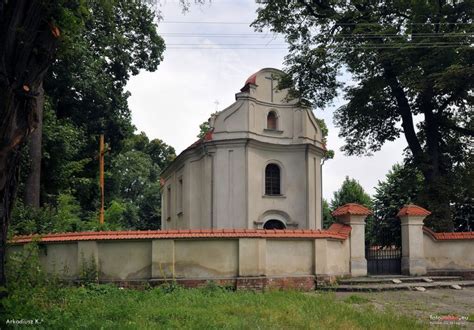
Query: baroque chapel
pixel 258 167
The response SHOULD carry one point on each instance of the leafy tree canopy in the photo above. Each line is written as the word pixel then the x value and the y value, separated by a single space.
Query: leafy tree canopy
pixel 85 97
pixel 401 186
pixel 350 192
pixel 405 59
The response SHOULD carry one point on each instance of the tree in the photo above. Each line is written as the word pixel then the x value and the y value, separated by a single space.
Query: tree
pixel 203 129
pixel 406 59
pixel 86 85
pixel 29 35
pixel 327 217
pixel 402 186
pixel 133 180
pixel 350 192
pixel 28 38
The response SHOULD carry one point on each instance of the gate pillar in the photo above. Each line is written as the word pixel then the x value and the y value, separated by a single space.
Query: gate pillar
pixel 413 256
pixel 354 215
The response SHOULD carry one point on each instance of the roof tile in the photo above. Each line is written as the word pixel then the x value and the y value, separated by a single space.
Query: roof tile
pixel 449 236
pixel 413 210
pixel 337 231
pixel 351 208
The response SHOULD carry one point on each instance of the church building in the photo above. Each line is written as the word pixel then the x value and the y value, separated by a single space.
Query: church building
pixel 258 167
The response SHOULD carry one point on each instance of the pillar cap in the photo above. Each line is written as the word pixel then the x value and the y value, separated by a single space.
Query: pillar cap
pixel 352 209
pixel 413 210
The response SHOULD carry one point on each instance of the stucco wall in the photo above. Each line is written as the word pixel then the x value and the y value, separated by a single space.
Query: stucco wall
pixel 289 257
pixel 293 201
pixel 197 258
pixel 448 254
pixel 59 258
pixel 218 182
pixel 124 260
pixel 229 196
pixel 338 257
pixel 206 258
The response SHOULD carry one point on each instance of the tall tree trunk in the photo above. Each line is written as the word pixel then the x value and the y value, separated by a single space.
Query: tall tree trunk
pixel 32 185
pixel 436 194
pixel 428 162
pixel 27 44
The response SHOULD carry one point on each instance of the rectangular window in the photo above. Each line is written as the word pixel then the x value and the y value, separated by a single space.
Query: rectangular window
pixel 180 196
pixel 168 203
pixel 272 180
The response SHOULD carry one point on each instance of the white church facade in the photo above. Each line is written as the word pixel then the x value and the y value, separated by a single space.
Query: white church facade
pixel 258 167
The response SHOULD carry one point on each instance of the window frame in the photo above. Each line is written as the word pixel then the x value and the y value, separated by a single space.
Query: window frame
pixel 180 196
pixel 266 192
pixel 276 120
pixel 168 202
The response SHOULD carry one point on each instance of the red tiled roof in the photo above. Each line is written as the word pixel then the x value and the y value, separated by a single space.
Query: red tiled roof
pixel 351 208
pixel 336 232
pixel 340 228
pixel 414 210
pixel 449 236
pixel 250 80
pixel 206 137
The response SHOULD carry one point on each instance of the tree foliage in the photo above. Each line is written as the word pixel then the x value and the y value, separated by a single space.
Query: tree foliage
pixel 327 217
pixel 401 186
pixel 350 192
pixel 405 59
pixel 85 97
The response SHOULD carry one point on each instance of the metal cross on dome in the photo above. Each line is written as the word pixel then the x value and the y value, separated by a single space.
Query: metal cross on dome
pixel 271 78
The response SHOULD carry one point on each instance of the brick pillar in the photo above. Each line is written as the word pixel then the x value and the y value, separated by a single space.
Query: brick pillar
pixel 413 256
pixel 354 215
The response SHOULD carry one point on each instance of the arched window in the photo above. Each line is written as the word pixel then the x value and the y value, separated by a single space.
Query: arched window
pixel 274 224
pixel 272 120
pixel 272 179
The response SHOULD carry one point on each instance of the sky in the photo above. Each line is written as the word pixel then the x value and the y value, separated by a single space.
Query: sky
pixel 211 51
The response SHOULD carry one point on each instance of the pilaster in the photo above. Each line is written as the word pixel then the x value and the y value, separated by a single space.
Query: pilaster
pixel 354 215
pixel 413 256
pixel 162 259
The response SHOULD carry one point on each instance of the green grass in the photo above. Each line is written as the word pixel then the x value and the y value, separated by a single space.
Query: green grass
pixel 355 299
pixel 109 307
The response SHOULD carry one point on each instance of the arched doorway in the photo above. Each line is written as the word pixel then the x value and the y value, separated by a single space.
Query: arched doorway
pixel 274 224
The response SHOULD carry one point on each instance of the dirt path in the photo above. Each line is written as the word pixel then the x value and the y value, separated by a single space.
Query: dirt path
pixel 428 305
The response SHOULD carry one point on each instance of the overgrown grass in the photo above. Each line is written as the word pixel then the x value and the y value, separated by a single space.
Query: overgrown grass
pixel 105 306
pixel 34 295
pixel 355 299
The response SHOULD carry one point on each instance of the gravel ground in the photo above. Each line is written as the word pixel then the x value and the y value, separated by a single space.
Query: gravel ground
pixel 426 306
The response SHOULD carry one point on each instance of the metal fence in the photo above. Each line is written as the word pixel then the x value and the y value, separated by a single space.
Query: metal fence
pixel 383 260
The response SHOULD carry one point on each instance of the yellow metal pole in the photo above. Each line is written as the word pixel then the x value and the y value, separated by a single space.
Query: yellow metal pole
pixel 101 179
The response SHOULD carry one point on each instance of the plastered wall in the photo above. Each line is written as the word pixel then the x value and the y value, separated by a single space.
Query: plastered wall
pixel 191 258
pixel 448 254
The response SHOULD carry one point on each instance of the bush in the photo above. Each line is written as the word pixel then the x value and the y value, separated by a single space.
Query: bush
pixel 64 217
pixel 31 292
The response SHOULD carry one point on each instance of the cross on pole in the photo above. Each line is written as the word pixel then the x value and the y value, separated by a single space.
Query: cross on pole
pixel 271 78
pixel 101 177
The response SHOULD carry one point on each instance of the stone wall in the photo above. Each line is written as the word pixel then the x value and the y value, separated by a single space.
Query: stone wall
pixel 449 253
pixel 427 252
pixel 241 258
